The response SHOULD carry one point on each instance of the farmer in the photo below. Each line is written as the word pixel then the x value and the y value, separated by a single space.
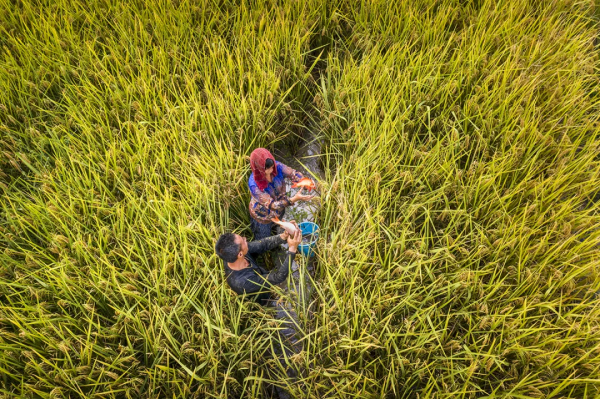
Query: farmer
pixel 245 277
pixel 243 274
pixel 267 188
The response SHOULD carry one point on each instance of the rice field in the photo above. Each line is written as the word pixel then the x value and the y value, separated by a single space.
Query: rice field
pixel 459 249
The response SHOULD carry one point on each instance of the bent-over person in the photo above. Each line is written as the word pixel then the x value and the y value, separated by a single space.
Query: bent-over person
pixel 268 198
pixel 245 277
pixel 243 274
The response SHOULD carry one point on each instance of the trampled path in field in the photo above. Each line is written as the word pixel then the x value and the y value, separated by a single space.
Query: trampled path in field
pixel 294 308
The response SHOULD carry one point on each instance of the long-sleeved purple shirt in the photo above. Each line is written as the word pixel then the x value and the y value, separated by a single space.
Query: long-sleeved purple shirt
pixel 272 201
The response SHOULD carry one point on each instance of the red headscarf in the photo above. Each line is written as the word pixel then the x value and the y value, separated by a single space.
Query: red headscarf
pixel 257 163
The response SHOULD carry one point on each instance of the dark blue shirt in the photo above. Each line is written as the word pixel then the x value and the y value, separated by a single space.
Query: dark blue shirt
pixel 254 281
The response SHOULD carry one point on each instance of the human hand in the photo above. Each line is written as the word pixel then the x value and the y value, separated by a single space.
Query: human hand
pixel 301 197
pixel 294 241
pixel 285 234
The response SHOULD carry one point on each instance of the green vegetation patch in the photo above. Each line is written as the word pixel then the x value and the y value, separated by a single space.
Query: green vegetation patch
pixel 458 255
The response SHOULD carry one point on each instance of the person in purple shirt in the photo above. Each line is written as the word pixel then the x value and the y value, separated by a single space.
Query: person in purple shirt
pixel 267 190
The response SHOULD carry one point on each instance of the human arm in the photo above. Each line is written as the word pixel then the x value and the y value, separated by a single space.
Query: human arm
pixel 300 197
pixel 251 281
pixel 290 173
pixel 278 275
pixel 295 177
pixel 265 199
pixel 266 244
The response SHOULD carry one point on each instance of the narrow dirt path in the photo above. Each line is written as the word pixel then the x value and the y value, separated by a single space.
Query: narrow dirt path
pixel 294 308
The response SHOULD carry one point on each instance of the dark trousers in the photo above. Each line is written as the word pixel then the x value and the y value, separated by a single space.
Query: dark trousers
pixel 289 342
pixel 260 230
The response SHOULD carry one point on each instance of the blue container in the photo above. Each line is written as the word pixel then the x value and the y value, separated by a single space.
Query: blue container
pixel 308 228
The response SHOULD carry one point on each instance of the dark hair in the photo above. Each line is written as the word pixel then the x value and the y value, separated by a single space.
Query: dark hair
pixel 268 163
pixel 227 248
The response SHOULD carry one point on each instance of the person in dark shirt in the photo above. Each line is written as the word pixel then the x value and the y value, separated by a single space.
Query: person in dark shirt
pixel 243 274
pixel 245 277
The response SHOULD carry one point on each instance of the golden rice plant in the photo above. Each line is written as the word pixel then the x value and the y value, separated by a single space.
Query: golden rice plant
pixel 459 248
pixel 462 258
